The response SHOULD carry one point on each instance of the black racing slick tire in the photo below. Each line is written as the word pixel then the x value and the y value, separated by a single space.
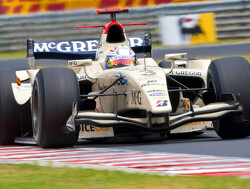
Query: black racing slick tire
pixel 9 109
pixel 231 75
pixel 54 91
pixel 14 118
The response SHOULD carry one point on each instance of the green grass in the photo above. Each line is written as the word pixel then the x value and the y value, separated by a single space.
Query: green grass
pixel 13 55
pixel 31 176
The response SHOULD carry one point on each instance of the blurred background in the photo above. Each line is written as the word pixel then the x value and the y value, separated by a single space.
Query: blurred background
pixel 174 24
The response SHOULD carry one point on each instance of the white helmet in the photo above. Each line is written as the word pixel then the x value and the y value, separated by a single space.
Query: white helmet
pixel 120 56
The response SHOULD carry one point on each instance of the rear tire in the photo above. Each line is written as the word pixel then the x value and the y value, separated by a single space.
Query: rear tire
pixel 54 91
pixel 231 75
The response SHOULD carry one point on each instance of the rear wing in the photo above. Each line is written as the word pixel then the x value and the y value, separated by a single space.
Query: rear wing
pixel 80 48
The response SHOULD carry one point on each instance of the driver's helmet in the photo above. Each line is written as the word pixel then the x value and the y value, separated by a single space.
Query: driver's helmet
pixel 120 56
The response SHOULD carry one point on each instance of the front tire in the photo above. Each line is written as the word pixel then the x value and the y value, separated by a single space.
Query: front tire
pixel 231 75
pixel 54 91
pixel 9 109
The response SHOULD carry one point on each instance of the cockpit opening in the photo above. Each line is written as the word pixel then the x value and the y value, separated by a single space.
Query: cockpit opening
pixel 115 34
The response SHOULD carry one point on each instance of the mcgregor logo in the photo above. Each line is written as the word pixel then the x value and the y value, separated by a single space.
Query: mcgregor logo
pixel 77 46
pixel 66 46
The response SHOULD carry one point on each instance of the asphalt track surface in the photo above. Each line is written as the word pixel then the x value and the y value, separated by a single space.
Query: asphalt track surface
pixel 199 51
pixel 206 144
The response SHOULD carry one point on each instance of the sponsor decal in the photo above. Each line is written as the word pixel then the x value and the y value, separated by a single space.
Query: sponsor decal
pixel 154 91
pixel 81 77
pixel 158 94
pixel 18 81
pixel 24 88
pixel 67 46
pixel 73 63
pixel 91 128
pixel 70 46
pixel 186 72
pixel 90 131
pixel 151 77
pixel 195 123
pixel 148 72
pixel 186 104
pixel 122 81
pixel 160 103
pixel 150 82
pixel 135 97
pixel 135 41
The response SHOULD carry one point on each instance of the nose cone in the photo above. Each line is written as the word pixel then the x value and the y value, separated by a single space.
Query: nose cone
pixel 148 90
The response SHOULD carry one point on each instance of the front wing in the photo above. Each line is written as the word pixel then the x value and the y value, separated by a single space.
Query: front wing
pixel 209 112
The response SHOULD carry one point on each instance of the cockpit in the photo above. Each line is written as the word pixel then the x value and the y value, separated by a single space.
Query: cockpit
pixel 115 34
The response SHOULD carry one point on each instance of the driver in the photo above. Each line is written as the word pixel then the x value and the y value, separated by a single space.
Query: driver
pixel 120 56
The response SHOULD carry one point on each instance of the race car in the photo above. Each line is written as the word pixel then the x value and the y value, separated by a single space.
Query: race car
pixel 114 89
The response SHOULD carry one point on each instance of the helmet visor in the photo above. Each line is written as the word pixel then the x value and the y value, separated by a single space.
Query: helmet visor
pixel 121 62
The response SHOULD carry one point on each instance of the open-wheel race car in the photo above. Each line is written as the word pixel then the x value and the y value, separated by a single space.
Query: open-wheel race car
pixel 117 95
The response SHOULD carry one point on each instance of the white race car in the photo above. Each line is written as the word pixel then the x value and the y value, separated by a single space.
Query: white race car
pixel 117 95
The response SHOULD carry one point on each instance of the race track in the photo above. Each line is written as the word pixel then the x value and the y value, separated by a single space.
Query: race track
pixel 199 51
pixel 208 143
pixel 205 154
pixel 156 158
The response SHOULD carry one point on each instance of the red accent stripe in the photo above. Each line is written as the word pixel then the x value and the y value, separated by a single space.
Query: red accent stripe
pixel 135 24
pixel 129 161
pixel 172 164
pixel 94 26
pixel 79 157
pixel 113 159
pixel 200 168
pixel 113 22
pixel 184 161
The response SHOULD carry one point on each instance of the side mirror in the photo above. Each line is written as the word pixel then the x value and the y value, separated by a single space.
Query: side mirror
pixel 79 63
pixel 177 56
pixel 82 63
pixel 177 60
